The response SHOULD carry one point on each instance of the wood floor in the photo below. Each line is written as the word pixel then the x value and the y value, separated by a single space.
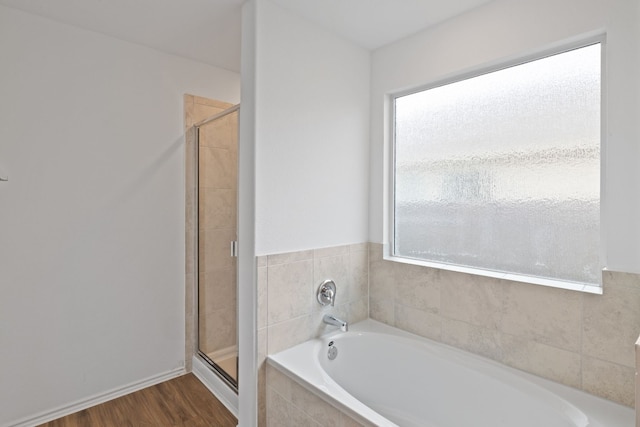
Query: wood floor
pixel 183 401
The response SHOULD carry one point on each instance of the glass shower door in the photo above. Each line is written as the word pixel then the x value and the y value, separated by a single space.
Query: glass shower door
pixel 217 233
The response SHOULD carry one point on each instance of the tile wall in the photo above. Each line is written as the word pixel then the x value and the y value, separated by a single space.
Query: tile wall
pixel 290 404
pixel 218 146
pixel 218 170
pixel 288 312
pixel 582 340
pixel 638 383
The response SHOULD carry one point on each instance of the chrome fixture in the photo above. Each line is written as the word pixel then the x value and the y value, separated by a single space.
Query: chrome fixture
pixel 327 293
pixel 332 353
pixel 330 319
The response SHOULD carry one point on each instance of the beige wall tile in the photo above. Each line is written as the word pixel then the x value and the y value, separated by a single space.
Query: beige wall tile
pixel 612 320
pixel 201 111
pixel 262 396
pixel 188 111
pixel 215 249
pixel 262 346
pixel 542 330
pixel 263 307
pixel 216 331
pixel 419 322
pixel 316 408
pixel 359 274
pixel 382 280
pixel 609 380
pixel 347 421
pixel 211 102
pixel 262 377
pixel 382 310
pixel 279 382
pixel 217 290
pixel 331 251
pixel 287 334
pixel 290 292
pixel 261 261
pixel 220 133
pixel 473 299
pixel 417 287
pixel 637 368
pixel 190 239
pixel 198 108
pixel 289 257
pixel 190 338
pixel 358 310
pixel 335 268
pixel 473 338
pixel 190 191
pixel 217 208
pixel 628 280
pixel 359 247
pixel 281 413
pixel 533 328
pixel 546 361
pixel 375 252
pixel 546 315
pixel 217 168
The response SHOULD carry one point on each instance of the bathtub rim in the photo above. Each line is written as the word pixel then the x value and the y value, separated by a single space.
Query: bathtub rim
pixel 596 408
pixel 317 383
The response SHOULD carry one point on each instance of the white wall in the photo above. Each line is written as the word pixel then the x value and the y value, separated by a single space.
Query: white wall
pixel 312 146
pixel 504 29
pixel 92 218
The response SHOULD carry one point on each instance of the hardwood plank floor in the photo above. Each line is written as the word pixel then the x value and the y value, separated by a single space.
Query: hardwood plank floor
pixel 182 401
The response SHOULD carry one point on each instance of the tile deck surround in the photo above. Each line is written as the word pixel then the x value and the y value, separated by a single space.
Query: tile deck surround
pixel 578 339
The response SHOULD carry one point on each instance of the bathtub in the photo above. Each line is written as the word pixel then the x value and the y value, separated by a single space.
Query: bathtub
pixel 383 376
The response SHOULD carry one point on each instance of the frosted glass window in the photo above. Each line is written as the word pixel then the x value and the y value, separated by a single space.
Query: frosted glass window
pixel 501 171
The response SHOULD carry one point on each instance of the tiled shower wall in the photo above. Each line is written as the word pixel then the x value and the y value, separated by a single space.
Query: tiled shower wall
pixel 218 160
pixel 582 340
pixel 288 311
pixel 217 229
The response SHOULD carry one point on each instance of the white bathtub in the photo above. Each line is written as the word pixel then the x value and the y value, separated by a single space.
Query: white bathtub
pixel 386 377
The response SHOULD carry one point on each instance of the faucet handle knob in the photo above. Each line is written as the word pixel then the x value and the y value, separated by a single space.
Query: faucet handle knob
pixel 327 292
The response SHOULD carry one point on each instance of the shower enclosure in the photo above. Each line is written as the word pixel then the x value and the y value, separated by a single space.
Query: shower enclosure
pixel 216 151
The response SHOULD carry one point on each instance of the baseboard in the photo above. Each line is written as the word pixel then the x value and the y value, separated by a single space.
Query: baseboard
pixel 79 405
pixel 216 386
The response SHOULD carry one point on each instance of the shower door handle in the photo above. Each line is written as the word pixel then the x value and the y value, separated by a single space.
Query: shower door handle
pixel 234 249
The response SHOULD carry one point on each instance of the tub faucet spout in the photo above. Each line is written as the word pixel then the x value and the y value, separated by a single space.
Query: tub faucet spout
pixel 330 319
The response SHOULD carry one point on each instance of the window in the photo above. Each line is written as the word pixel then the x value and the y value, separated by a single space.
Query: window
pixel 500 172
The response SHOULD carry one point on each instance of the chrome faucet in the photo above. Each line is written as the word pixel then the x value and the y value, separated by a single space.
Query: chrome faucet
pixel 327 293
pixel 330 319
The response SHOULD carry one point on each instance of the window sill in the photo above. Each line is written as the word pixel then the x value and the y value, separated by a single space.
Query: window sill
pixel 542 281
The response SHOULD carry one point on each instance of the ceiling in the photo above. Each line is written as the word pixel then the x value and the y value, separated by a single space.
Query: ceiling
pixel 375 23
pixel 209 30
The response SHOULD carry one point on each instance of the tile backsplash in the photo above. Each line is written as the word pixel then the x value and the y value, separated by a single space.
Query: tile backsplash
pixel 290 404
pixel 582 340
pixel 287 288
pixel 288 311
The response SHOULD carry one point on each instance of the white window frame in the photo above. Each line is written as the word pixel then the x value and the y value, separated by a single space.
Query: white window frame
pixel 389 221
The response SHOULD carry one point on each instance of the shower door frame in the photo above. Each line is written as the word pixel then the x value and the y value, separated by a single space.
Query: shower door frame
pixel 221 373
